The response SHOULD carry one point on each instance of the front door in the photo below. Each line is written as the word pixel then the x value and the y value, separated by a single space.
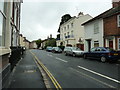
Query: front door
pixel 110 44
pixel 89 45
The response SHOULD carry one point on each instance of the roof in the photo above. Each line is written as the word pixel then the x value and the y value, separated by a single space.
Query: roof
pixel 105 14
pixel 113 12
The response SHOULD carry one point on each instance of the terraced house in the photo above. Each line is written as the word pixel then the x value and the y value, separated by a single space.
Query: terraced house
pixel 9 36
pixel 71 31
pixel 112 27
pixel 104 29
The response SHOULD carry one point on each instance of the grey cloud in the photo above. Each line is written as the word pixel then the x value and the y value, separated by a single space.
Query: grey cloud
pixel 47 16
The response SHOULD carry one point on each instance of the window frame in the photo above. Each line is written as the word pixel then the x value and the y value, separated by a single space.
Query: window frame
pixel 96 42
pixel 118 43
pixel 3 15
pixel 72 33
pixel 68 26
pixel 65 28
pixel 118 20
pixel 96 27
pixel 64 35
pixel 72 25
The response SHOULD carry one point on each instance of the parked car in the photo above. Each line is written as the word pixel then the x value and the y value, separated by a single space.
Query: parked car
pixel 103 53
pixel 74 51
pixel 56 50
pixel 49 49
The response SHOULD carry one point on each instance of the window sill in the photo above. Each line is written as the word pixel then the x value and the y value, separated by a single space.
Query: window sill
pixel 4 51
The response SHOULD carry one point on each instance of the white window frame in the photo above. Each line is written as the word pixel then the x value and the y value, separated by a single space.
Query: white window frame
pixel 72 33
pixel 61 36
pixel 67 26
pixel 72 25
pixel 61 31
pixel 118 20
pixel 118 44
pixel 96 42
pixel 68 33
pixel 96 27
pixel 2 12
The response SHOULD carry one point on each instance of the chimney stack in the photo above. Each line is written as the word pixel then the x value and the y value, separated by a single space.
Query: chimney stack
pixel 115 3
pixel 80 14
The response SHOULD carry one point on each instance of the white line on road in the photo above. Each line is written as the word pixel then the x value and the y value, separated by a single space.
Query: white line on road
pixel 61 59
pixel 93 78
pixel 49 55
pixel 99 74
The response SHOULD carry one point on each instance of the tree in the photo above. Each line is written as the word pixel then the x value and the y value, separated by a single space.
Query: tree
pixel 51 42
pixel 64 19
pixel 38 42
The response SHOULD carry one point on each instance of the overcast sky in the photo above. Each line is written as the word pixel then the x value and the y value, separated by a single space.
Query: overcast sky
pixel 41 18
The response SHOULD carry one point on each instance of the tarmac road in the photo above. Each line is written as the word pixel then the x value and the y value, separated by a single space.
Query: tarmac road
pixel 76 72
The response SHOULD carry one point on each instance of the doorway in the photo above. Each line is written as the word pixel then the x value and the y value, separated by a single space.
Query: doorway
pixel 89 44
pixel 111 44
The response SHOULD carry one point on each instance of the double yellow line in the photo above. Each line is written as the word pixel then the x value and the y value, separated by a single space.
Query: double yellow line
pixel 54 81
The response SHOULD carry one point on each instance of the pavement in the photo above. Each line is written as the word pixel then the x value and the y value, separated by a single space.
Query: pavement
pixel 26 74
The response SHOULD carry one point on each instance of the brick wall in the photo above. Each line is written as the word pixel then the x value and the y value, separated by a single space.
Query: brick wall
pixel 110 26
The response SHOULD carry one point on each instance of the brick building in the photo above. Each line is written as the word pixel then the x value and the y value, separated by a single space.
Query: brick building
pixel 112 27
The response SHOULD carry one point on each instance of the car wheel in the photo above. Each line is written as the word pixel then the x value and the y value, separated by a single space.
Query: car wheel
pixel 73 54
pixel 84 56
pixel 103 59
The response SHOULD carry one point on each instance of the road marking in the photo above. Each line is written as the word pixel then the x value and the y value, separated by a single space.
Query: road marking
pixel 104 76
pixel 50 55
pixel 54 81
pixel 93 78
pixel 61 59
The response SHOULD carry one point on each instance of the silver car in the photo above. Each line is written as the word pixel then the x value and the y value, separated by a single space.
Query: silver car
pixel 74 51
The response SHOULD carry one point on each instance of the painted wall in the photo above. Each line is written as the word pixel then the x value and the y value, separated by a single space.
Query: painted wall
pixel 89 33
pixel 75 32
pixel 79 29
